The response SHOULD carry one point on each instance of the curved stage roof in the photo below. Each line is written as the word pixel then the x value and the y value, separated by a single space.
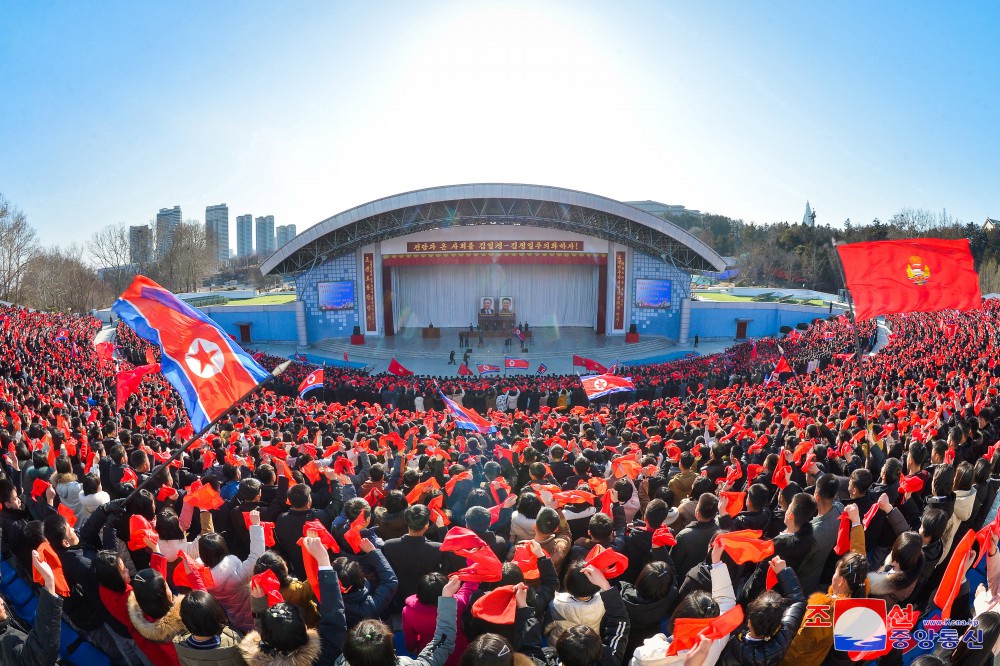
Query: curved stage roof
pixel 493 203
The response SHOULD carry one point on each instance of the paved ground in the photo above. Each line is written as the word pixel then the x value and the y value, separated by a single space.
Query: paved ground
pixel 553 347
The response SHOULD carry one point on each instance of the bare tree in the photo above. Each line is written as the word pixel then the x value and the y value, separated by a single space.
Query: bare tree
pixel 18 244
pixel 110 249
pixel 189 259
pixel 59 279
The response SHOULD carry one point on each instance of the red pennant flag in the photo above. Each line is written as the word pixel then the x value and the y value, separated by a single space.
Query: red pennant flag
pixel 311 471
pixel 449 487
pixel 129 476
pixel 397 369
pixel 128 382
pixel 181 578
pixel 498 606
pixel 68 514
pixel 914 275
pixel 315 528
pixel 204 497
pixel 413 497
pixel 39 487
pixel 268 583
pixel 141 529
pixel 734 501
pixel 844 534
pixel 746 546
pixel 353 535
pixel 609 562
pixel 664 537
pixel 688 631
pixel 464 371
pixel 954 573
pixel 869 516
pixel 49 556
pixel 526 561
pixel 625 466
pixel 268 529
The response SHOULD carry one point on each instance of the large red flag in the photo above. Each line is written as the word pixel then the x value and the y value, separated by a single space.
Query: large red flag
pixel 396 368
pixel 594 366
pixel 128 382
pixel 914 275
pixel 464 370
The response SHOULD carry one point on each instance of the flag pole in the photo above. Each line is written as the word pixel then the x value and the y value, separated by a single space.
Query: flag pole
pixel 198 435
pixel 857 343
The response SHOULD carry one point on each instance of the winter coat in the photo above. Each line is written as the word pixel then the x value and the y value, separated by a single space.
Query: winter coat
pixel 231 582
pixel 825 535
pixel 227 654
pixel 645 616
pixel 322 646
pixel 692 545
pixel 300 594
pixel 365 603
pixel 769 652
pixel 160 632
pixel 653 652
pixel 419 621
pixel 41 646
pixel 964 502
pixel 441 646
pixel 68 489
pixel 522 528
pixel 812 644
pixel 89 503
pixel 567 611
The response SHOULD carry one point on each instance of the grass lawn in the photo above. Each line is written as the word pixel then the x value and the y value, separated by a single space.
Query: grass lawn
pixel 271 299
pixel 721 297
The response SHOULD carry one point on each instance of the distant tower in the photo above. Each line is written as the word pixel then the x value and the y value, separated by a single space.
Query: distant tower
pixel 809 219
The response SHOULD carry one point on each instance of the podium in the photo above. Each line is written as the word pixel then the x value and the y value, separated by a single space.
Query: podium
pixel 502 322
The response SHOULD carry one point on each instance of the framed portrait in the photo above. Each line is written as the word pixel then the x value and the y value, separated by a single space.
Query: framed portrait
pixel 487 305
pixel 506 305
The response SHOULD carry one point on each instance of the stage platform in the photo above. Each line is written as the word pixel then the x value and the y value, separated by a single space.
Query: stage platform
pixel 553 346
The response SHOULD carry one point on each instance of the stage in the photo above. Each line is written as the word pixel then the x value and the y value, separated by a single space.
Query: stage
pixel 552 346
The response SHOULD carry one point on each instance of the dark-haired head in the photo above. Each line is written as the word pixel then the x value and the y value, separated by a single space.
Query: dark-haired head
pixel 202 614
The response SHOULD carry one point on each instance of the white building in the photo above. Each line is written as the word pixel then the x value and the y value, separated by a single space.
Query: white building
pixel 265 235
pixel 167 221
pixel 217 230
pixel 244 235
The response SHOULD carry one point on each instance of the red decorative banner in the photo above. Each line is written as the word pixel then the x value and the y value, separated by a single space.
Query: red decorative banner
pixel 619 291
pixel 493 258
pixel 369 270
pixel 496 246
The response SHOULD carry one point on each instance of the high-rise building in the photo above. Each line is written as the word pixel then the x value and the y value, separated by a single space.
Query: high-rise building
pixel 284 234
pixel 265 235
pixel 244 235
pixel 217 231
pixel 167 221
pixel 140 244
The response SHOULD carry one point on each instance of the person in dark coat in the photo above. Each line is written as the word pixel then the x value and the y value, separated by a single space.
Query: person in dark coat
pixel 41 646
pixel 362 601
pixel 694 540
pixel 756 515
pixel 773 619
pixel 249 498
pixel 411 556
pixel 651 599
pixel 288 526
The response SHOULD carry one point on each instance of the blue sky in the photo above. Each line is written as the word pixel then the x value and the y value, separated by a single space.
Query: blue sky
pixel 112 110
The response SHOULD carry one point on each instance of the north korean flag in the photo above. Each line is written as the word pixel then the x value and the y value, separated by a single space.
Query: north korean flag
pixel 313 381
pixel 598 386
pixel 208 370
pixel 488 369
pixel 465 418
pixel 516 363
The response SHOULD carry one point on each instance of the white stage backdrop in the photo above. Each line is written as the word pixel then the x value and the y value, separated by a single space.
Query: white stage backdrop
pixel 448 296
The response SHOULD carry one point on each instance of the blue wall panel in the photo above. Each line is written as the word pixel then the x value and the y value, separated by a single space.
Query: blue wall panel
pixel 718 320
pixel 659 321
pixel 267 323
pixel 321 325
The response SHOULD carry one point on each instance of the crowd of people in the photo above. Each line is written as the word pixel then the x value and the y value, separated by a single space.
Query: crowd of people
pixel 714 516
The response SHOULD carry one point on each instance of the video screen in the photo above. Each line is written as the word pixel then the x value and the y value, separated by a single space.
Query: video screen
pixel 336 295
pixel 652 293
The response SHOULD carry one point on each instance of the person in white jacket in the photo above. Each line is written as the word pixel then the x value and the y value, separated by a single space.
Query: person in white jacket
pixel 90 497
pixel 230 577
pixel 653 652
